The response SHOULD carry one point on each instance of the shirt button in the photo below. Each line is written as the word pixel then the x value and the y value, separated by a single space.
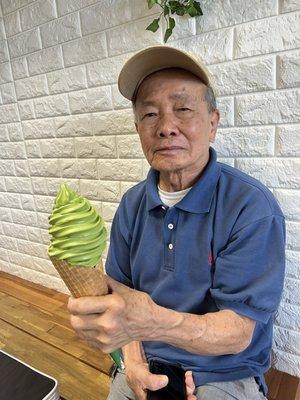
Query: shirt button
pixel 163 207
pixel 170 246
pixel 170 226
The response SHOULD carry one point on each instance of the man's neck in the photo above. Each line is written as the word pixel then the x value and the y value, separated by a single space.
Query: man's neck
pixel 172 184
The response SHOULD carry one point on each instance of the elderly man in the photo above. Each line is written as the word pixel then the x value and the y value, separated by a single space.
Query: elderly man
pixel 196 257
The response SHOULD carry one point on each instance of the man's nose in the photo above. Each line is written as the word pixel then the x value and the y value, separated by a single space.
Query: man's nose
pixel 167 126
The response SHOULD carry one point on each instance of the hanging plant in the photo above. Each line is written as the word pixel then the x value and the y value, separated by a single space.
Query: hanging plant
pixel 170 7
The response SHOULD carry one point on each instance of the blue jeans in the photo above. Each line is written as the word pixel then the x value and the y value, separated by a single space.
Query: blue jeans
pixel 242 389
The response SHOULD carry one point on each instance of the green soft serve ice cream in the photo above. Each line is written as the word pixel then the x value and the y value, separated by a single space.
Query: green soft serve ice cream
pixel 78 232
pixel 78 236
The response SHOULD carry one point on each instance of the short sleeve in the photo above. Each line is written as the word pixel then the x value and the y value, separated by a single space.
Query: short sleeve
pixel 118 259
pixel 249 272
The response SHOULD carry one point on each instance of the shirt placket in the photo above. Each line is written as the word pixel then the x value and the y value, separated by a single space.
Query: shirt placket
pixel 170 226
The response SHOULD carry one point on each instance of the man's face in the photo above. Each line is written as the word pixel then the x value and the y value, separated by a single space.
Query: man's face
pixel 173 121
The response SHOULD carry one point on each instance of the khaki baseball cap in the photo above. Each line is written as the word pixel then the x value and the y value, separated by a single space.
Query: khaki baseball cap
pixel 155 58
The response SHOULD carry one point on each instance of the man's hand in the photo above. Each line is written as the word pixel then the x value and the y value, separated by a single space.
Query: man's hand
pixel 140 379
pixel 190 386
pixel 109 322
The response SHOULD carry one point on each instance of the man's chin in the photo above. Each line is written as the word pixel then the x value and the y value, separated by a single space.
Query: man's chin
pixel 167 166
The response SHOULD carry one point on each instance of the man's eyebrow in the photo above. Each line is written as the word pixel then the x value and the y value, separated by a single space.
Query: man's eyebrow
pixel 174 96
pixel 147 103
pixel 179 96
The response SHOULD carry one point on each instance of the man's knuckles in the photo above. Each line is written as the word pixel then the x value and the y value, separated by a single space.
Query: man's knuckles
pixel 72 305
pixel 107 329
pixel 117 304
pixel 76 322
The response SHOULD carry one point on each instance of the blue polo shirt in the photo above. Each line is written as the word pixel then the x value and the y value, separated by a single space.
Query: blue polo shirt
pixel 220 247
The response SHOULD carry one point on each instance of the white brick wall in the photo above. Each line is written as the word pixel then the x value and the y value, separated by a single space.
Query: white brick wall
pixel 62 118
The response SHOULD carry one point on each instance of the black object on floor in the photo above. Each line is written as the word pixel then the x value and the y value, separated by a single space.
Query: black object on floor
pixel 19 381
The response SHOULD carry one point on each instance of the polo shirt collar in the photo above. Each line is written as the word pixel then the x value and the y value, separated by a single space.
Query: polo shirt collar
pixel 198 199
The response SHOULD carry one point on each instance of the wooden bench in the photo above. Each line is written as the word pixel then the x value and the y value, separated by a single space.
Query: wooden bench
pixel 34 327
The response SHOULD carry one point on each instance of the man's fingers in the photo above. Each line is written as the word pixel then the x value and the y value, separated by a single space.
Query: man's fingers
pixel 155 382
pixel 90 304
pixel 190 386
pixel 84 322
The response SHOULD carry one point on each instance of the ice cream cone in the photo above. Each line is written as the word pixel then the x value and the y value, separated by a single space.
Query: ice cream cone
pixel 78 241
pixel 82 281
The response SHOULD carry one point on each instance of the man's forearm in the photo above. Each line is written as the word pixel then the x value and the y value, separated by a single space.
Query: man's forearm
pixel 133 352
pixel 223 332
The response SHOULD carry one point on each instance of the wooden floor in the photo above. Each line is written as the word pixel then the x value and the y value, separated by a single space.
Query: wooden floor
pixel 34 327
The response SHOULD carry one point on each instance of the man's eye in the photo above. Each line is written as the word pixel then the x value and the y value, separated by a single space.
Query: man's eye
pixel 149 115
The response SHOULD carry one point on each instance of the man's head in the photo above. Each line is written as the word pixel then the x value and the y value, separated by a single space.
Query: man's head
pixel 175 113
pixel 209 94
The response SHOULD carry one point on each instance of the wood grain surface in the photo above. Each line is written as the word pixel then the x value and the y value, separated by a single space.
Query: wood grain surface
pixel 35 327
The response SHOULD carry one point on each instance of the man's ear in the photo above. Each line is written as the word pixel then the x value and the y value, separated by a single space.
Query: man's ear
pixel 214 122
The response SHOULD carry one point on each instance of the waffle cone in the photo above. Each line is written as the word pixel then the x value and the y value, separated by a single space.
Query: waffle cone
pixel 82 281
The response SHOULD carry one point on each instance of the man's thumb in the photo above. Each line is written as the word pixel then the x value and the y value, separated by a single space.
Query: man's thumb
pixel 156 382
pixel 115 286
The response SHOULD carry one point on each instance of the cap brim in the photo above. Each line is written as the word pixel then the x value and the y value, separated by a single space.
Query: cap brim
pixel 153 59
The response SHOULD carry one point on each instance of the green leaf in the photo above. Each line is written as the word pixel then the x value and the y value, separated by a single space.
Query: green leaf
pixel 173 6
pixel 171 23
pixel 151 3
pixel 180 10
pixel 168 33
pixel 179 7
pixel 192 11
pixel 198 8
pixel 153 26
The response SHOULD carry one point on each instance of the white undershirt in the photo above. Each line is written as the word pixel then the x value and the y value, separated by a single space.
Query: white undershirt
pixel 171 198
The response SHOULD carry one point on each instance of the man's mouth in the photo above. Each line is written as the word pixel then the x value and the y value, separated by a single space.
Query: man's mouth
pixel 169 149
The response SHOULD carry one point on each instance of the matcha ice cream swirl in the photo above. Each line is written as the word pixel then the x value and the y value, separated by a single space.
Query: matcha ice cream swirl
pixel 78 232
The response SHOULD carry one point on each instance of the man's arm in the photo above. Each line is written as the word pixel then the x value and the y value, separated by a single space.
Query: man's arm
pixel 218 333
pixel 133 352
pixel 223 332
pixel 128 315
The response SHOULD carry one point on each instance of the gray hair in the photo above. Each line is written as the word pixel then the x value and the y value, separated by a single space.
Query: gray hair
pixel 209 98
